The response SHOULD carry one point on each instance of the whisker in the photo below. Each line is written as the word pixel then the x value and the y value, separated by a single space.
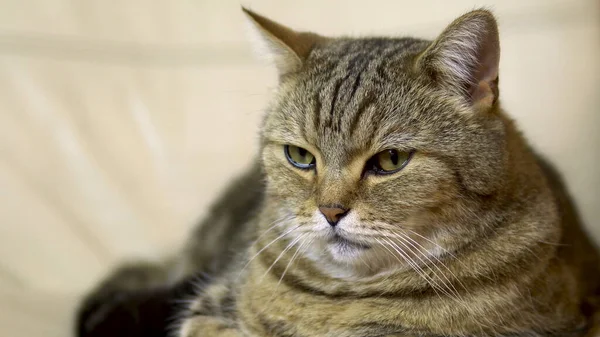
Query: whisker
pixel 379 258
pixel 365 262
pixel 432 282
pixel 444 250
pixel 265 247
pixel 428 264
pixel 287 248
pixel 274 224
pixel 300 246
pixel 411 264
pixel 409 239
pixel 306 243
pixel 431 241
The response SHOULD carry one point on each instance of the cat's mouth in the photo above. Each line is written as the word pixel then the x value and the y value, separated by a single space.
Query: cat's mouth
pixel 345 244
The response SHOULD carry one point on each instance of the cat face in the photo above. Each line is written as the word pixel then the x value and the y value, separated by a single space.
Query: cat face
pixel 374 157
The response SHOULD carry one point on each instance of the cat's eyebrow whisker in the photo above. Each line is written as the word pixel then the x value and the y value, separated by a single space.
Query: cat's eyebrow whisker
pixel 265 247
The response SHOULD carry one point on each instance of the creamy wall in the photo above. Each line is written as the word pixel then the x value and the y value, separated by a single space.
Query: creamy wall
pixel 120 120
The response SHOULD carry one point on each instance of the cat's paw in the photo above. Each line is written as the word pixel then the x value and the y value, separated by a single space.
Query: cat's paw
pixel 103 315
pixel 133 293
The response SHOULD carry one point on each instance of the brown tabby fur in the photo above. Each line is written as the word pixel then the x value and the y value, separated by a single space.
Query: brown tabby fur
pixel 474 237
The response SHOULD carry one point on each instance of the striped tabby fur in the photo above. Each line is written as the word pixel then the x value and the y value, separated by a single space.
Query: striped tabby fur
pixel 474 237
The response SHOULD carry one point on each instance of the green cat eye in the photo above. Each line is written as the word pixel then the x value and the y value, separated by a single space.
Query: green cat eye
pixel 299 157
pixel 388 161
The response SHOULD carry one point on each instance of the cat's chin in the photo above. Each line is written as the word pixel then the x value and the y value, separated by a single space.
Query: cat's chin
pixel 344 250
pixel 344 259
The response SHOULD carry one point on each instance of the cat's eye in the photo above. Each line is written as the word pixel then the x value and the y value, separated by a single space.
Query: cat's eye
pixel 388 161
pixel 299 157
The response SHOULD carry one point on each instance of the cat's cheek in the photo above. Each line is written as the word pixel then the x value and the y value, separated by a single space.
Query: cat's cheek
pixel 284 184
pixel 428 183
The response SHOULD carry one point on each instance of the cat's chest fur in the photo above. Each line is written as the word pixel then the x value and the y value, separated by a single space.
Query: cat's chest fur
pixel 279 312
pixel 269 308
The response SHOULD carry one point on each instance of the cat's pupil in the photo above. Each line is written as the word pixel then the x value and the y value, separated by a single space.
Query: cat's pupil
pixel 394 157
pixel 302 152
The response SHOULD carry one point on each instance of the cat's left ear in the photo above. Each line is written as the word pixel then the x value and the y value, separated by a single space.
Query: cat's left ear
pixel 287 48
pixel 465 58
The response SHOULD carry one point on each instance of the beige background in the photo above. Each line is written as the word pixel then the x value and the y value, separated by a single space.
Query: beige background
pixel 119 120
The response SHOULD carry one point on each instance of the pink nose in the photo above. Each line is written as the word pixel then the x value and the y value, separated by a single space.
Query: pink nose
pixel 333 214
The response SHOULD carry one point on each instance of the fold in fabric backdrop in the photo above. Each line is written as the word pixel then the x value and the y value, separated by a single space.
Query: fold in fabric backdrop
pixel 119 124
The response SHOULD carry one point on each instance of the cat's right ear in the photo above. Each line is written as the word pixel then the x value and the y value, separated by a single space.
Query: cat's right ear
pixel 465 58
pixel 285 47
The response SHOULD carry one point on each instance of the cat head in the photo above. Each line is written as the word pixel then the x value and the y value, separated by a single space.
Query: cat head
pixel 378 151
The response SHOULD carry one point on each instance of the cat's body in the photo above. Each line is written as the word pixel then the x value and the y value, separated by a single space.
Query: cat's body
pixel 331 234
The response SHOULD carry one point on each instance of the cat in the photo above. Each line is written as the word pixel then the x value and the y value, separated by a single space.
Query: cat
pixel 392 196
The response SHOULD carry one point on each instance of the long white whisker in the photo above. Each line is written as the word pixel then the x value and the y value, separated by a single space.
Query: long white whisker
pixel 405 239
pixel 365 263
pixel 267 246
pixel 443 249
pixel 433 282
pixel 379 259
pixel 409 239
pixel 300 246
pixel 427 264
pixel 431 241
pixel 306 243
pixel 410 262
pixel 274 224
pixel 287 248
